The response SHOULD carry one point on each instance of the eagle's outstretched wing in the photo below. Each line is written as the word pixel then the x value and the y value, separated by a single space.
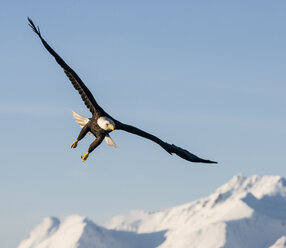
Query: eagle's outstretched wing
pixel 84 92
pixel 167 147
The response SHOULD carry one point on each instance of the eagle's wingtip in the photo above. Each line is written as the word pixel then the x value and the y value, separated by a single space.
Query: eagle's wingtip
pixel 212 162
pixel 185 154
pixel 34 28
pixel 206 161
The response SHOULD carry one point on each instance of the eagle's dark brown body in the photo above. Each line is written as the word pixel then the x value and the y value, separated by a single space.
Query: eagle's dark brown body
pixel 96 130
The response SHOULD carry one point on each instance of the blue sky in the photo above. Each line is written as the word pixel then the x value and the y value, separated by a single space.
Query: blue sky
pixel 208 76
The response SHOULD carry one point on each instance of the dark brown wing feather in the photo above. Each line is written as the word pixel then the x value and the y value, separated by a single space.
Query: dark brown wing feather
pixel 167 147
pixel 84 92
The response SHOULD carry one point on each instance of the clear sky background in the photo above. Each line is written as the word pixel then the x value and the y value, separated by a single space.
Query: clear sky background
pixel 208 76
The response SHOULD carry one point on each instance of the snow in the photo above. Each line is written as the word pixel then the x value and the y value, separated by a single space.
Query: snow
pixel 80 232
pixel 52 232
pixel 280 243
pixel 247 212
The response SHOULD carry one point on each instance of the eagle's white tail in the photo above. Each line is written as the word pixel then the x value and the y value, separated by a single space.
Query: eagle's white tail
pixel 82 121
pixel 109 141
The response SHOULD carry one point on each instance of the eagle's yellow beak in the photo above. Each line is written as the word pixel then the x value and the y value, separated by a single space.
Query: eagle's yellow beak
pixel 110 127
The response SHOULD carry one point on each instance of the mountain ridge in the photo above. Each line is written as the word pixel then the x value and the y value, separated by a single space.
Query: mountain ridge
pixel 245 212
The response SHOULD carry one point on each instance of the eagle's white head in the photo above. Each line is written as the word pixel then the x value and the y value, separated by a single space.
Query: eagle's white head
pixel 106 123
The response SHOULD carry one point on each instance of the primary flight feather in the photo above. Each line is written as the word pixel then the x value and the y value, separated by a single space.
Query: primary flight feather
pixel 101 123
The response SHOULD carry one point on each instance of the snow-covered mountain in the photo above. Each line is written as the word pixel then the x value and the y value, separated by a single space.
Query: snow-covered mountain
pixel 80 232
pixel 245 212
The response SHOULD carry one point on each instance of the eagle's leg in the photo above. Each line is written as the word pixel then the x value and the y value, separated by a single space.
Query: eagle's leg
pixel 82 133
pixel 84 157
pixel 74 144
pixel 92 146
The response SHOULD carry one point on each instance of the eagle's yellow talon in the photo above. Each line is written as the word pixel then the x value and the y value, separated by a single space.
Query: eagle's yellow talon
pixel 74 144
pixel 84 157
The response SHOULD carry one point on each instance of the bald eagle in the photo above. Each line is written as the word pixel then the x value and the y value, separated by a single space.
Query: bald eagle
pixel 101 123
